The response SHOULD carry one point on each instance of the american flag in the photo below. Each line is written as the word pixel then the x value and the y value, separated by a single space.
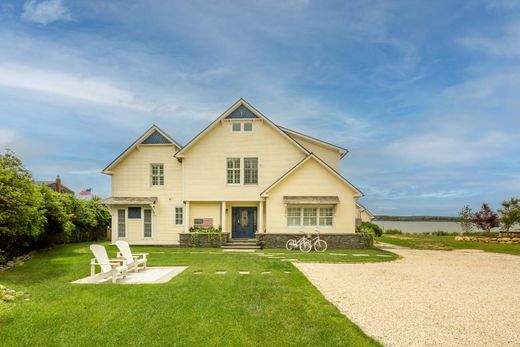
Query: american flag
pixel 87 191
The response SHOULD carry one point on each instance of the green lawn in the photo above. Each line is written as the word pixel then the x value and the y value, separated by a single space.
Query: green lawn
pixel 418 241
pixel 279 309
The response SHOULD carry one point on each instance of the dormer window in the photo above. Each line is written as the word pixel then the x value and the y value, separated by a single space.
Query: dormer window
pixel 248 126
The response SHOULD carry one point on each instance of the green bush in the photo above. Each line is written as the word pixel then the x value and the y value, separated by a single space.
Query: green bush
pixel 393 231
pixel 370 227
pixel 32 216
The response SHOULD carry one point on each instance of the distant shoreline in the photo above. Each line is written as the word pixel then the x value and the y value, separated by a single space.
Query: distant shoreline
pixel 416 219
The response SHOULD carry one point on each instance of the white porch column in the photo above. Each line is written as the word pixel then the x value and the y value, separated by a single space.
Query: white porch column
pixel 260 217
pixel 266 217
pixel 187 217
pixel 223 216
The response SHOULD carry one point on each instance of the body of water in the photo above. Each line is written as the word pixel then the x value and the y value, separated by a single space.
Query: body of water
pixel 420 227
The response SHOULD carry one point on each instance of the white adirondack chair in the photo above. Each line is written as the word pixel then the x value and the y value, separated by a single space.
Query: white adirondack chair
pixel 133 260
pixel 108 268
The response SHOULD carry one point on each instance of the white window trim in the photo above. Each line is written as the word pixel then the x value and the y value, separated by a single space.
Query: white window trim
pixel 301 207
pixel 240 173
pixel 151 221
pixel 231 127
pixel 241 122
pixel 126 224
pixel 163 175
pixel 175 215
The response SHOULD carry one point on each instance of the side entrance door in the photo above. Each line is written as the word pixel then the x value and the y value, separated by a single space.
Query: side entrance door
pixel 244 222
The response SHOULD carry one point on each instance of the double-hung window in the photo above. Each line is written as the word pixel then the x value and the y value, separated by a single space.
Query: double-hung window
pixel 250 170
pixel 179 215
pixel 294 216
pixel 233 170
pixel 310 216
pixel 157 174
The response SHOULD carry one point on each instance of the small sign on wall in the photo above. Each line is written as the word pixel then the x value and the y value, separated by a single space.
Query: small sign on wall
pixel 203 222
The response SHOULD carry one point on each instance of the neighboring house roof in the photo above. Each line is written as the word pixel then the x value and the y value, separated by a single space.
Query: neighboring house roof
pixel 343 151
pixel 152 136
pixel 364 209
pixel 52 185
pixel 234 110
pixel 324 164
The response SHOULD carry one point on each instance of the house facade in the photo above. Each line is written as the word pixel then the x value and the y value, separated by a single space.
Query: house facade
pixel 242 173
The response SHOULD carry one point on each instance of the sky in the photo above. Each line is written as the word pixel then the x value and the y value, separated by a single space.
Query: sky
pixel 424 94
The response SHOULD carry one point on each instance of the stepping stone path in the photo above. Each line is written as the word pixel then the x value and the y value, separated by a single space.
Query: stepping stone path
pixel 287 272
pixel 266 272
pixel 383 255
pixel 289 259
pixel 361 255
pixel 244 272
pixel 338 254
pixel 220 272
pixel 197 273
pixel 162 252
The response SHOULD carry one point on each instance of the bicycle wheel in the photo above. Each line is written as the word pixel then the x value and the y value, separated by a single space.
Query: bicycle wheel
pixel 305 246
pixel 291 244
pixel 320 246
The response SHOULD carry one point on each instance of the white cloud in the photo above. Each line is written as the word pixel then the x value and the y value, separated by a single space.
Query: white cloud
pixel 7 137
pixel 506 44
pixel 440 147
pixel 69 85
pixel 45 12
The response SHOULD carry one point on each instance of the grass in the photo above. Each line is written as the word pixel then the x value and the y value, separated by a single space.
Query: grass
pixel 418 241
pixel 190 310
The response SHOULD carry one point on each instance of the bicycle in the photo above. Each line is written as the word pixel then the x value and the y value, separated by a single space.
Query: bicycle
pixel 302 243
pixel 318 244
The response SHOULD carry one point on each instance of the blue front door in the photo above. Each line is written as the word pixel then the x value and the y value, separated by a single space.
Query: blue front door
pixel 244 222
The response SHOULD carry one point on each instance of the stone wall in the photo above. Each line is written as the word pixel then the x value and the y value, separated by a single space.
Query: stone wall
pixel 486 239
pixel 334 240
pixel 204 240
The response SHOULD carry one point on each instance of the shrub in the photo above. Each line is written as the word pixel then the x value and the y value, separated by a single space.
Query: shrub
pixel 370 227
pixel 510 213
pixel 443 233
pixel 466 217
pixel 393 231
pixel 486 218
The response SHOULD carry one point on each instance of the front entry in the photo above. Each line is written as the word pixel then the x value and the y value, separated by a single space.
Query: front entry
pixel 244 222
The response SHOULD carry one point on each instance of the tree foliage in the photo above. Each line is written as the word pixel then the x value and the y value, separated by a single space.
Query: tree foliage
pixel 370 228
pixel 510 213
pixel 33 216
pixel 486 218
pixel 466 219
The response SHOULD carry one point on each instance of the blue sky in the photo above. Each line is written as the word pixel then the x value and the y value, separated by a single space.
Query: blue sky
pixel 424 94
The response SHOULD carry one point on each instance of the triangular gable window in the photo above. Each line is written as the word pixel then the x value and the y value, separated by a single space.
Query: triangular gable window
pixel 156 139
pixel 242 112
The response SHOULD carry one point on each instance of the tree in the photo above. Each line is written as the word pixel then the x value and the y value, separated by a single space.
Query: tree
pixel 21 215
pixel 510 213
pixel 466 219
pixel 486 218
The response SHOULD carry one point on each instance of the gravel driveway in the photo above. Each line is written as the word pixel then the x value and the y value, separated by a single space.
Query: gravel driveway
pixel 428 298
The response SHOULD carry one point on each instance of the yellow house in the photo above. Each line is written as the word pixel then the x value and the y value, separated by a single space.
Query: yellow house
pixel 242 173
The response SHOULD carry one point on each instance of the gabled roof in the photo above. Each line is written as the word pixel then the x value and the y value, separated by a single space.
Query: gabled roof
pixel 154 136
pixel 236 106
pixel 297 166
pixel 343 151
pixel 242 112
pixel 364 209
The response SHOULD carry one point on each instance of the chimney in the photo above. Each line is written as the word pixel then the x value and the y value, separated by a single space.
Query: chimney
pixel 58 184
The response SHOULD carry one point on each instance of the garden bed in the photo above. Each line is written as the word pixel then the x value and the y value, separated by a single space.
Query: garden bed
pixel 203 239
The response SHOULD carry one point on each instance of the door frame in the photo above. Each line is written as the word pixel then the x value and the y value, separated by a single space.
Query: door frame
pixel 234 212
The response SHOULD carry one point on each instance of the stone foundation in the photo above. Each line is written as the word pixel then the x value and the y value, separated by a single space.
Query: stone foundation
pixel 203 240
pixel 334 240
